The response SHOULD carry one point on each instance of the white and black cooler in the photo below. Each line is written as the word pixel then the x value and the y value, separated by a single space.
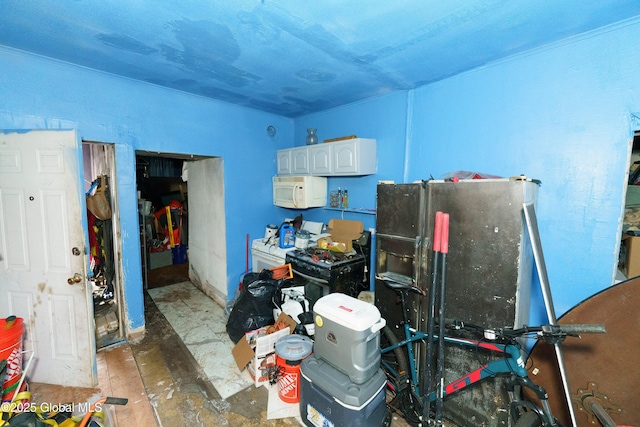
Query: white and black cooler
pixel 328 398
pixel 342 383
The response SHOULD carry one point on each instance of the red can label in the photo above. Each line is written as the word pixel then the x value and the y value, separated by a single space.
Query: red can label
pixel 288 387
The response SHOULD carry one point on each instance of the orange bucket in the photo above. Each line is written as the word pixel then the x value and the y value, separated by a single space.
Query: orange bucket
pixel 288 381
pixel 290 351
pixel 11 330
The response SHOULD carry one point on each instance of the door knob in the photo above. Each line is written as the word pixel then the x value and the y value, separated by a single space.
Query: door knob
pixel 77 278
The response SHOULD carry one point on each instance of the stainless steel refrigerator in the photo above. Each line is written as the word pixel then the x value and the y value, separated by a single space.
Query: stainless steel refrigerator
pixel 489 270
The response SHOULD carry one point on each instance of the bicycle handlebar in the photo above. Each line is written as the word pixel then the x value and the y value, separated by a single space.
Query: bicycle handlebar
pixel 548 333
pixel 550 330
pixel 553 334
pixel 578 328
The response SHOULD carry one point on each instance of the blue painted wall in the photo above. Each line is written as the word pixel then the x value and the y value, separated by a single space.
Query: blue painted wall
pixel 562 114
pixel 37 93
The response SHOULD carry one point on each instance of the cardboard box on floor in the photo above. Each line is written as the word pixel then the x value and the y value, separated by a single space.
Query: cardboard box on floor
pixel 257 351
pixel 343 233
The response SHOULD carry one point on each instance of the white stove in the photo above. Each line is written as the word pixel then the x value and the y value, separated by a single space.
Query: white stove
pixel 267 253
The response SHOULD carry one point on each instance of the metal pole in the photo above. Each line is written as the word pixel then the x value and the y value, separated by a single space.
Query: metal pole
pixel 602 415
pixel 433 290
pixel 534 234
pixel 444 249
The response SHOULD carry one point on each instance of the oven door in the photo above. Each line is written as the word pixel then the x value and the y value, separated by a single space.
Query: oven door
pixel 314 287
pixel 264 261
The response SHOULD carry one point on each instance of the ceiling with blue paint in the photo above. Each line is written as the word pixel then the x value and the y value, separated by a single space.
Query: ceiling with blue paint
pixel 295 57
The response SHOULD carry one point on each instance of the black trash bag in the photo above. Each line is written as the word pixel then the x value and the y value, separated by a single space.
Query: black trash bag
pixel 254 307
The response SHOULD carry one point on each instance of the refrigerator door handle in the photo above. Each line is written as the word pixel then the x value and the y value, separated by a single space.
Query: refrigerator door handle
pixel 421 246
pixel 311 278
pixel 395 237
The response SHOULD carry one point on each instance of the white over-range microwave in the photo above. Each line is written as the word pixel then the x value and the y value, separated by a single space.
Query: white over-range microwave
pixel 299 192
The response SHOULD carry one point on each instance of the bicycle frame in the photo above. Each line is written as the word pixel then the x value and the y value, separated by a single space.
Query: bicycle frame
pixel 513 363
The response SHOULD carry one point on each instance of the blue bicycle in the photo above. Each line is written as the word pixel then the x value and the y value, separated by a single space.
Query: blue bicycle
pixel 403 385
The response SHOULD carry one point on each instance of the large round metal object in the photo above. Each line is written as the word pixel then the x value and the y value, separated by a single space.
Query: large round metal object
pixel 601 368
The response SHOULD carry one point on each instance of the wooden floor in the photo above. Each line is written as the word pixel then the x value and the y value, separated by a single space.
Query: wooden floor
pixel 117 377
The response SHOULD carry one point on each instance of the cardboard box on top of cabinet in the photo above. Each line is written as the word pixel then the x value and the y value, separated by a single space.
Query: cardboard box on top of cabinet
pixel 343 233
pixel 630 262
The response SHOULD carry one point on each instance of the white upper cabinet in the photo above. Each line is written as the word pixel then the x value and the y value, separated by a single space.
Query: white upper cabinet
pixel 349 157
pixel 354 157
pixel 293 161
pixel 300 161
pixel 320 158
pixel 283 161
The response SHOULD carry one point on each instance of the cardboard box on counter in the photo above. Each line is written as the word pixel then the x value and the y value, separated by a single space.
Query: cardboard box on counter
pixel 630 262
pixel 343 233
pixel 257 351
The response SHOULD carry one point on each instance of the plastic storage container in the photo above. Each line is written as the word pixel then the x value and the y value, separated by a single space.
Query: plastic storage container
pixel 302 239
pixel 179 254
pixel 347 335
pixel 329 398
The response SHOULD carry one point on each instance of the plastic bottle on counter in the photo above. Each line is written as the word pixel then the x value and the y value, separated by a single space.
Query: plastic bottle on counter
pixel 345 199
pixel 286 236
pixel 339 198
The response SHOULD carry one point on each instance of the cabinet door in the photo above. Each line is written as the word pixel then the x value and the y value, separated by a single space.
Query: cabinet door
pixel 345 158
pixel 300 161
pixel 284 162
pixel 354 157
pixel 320 158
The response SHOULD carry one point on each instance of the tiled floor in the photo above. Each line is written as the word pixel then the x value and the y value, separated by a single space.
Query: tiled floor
pixel 200 323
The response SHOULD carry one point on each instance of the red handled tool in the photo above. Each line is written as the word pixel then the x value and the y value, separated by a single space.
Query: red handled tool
pixel 437 232
pixel 444 250
pixel 436 299
pixel 97 406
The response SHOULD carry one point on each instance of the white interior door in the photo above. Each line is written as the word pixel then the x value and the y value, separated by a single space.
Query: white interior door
pixel 42 246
